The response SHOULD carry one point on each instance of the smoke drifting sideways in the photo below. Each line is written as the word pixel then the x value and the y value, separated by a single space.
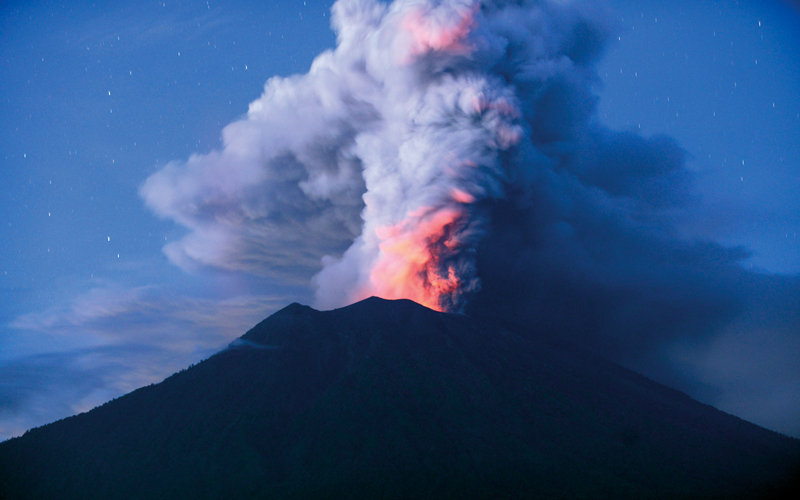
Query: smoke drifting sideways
pixel 449 152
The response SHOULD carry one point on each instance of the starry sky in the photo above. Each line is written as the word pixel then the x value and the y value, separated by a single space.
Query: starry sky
pixel 97 97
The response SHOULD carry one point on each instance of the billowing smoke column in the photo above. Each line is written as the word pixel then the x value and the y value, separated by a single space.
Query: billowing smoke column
pixel 433 154
pixel 405 114
pixel 390 162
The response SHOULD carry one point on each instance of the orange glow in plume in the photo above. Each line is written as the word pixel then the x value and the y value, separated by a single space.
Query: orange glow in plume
pixel 428 35
pixel 413 262
pixel 462 196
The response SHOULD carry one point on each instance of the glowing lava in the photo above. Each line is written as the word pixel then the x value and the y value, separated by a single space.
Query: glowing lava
pixel 418 259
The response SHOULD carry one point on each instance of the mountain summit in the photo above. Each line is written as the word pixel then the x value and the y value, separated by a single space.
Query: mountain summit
pixel 388 399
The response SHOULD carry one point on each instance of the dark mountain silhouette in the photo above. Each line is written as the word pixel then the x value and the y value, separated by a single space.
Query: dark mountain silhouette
pixel 388 399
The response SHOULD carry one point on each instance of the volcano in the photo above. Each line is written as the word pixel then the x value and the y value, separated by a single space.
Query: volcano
pixel 389 399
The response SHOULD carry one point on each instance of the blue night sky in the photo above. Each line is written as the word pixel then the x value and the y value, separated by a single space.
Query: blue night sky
pixel 97 97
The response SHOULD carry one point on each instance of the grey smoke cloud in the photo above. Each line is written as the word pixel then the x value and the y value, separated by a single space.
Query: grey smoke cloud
pixel 449 152
pixel 387 145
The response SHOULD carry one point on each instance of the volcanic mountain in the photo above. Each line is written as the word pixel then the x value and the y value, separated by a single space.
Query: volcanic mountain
pixel 388 399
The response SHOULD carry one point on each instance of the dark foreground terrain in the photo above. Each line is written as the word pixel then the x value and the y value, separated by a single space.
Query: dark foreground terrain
pixel 388 399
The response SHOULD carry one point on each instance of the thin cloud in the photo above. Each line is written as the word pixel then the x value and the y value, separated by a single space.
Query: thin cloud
pixel 122 338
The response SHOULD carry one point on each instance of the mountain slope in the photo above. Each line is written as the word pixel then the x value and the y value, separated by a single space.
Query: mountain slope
pixel 388 399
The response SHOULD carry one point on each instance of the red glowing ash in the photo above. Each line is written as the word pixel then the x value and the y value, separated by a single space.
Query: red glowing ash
pixel 417 258
pixel 430 32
